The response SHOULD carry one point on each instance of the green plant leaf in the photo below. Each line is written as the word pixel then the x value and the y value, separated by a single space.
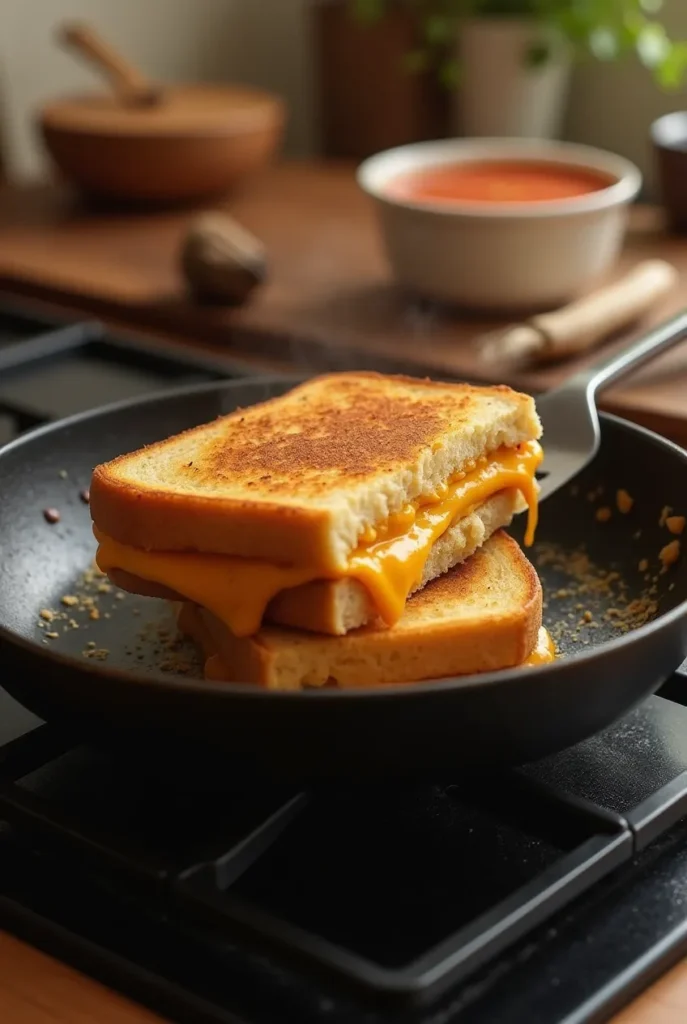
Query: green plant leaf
pixel 651 6
pixel 653 47
pixel 671 72
pixel 603 43
pixel 605 30
pixel 416 62
pixel 369 11
pixel 438 29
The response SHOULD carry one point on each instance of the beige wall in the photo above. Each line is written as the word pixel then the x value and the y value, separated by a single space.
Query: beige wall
pixel 264 42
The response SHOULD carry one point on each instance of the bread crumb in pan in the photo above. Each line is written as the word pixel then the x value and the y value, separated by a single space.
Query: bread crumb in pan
pixel 624 501
pixel 675 524
pixel 97 653
pixel 643 565
pixel 603 514
pixel 669 554
pixel 607 604
pixel 666 511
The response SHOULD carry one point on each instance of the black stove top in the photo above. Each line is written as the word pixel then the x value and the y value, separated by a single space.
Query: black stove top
pixel 551 894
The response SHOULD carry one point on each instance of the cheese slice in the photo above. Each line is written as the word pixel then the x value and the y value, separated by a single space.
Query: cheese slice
pixel 389 562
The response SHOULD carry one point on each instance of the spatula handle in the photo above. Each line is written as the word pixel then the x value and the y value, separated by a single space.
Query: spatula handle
pixel 608 369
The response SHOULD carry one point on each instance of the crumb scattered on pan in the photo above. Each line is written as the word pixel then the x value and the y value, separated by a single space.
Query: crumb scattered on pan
pixel 80 601
pixel 666 511
pixel 63 474
pixel 602 598
pixel 675 524
pixel 85 496
pixel 51 515
pixel 637 534
pixel 91 599
pixel 96 653
pixel 603 514
pixel 643 565
pixel 669 554
pixel 171 651
pixel 624 501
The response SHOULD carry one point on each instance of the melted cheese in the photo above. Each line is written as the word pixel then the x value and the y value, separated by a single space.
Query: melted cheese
pixel 545 651
pixel 389 562
pixel 392 566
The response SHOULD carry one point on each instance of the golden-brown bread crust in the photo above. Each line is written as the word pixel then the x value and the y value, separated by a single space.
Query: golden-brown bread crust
pixel 303 474
pixel 481 616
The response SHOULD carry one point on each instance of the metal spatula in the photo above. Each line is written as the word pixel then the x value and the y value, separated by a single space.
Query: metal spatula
pixel 568 413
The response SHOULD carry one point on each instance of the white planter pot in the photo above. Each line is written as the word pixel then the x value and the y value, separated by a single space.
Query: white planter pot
pixel 500 93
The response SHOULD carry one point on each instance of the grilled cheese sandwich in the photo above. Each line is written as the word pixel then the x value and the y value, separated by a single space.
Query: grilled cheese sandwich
pixel 483 615
pixel 135 512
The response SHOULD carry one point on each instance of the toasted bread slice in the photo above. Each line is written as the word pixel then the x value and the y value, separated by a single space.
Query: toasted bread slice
pixel 337 606
pixel 307 473
pixel 482 615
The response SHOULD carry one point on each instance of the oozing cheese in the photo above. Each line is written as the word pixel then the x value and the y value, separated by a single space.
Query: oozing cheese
pixel 389 562
pixel 545 651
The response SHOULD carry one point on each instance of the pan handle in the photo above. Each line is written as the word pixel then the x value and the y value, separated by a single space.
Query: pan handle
pixel 609 368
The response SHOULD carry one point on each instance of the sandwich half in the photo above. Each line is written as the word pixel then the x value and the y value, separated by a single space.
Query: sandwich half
pixel 325 508
pixel 483 615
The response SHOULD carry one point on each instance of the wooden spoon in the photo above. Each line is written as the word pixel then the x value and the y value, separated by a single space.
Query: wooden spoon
pixel 131 87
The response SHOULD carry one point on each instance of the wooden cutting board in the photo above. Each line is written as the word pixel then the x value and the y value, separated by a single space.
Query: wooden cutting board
pixel 330 301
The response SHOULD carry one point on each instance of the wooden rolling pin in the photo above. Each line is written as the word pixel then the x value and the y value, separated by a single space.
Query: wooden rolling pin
pixel 583 324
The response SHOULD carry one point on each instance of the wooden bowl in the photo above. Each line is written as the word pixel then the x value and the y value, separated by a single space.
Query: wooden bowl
pixel 189 143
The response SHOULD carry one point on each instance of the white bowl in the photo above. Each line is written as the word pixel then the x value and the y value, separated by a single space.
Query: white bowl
pixel 498 256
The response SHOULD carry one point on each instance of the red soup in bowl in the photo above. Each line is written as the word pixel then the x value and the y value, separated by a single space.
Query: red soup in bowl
pixel 490 181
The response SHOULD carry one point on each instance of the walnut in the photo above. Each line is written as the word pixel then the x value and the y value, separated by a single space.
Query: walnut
pixel 221 261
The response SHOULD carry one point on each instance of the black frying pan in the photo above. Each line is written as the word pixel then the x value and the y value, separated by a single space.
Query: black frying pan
pixel 429 728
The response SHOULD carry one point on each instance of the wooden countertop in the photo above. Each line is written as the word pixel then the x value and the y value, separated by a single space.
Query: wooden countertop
pixel 330 300
pixel 34 989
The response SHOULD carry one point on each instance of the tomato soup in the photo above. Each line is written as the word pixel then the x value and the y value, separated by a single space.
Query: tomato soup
pixel 518 181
